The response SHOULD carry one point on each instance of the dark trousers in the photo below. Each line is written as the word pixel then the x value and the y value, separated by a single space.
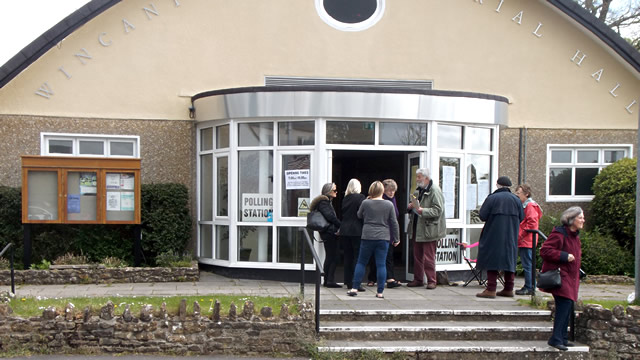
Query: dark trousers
pixel 492 280
pixel 351 245
pixel 564 309
pixel 372 276
pixel 331 258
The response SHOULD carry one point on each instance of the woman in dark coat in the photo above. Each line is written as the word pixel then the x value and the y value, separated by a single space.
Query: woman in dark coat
pixel 563 250
pixel 351 229
pixel 323 204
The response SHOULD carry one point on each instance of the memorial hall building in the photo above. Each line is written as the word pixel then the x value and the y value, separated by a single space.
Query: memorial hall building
pixel 255 104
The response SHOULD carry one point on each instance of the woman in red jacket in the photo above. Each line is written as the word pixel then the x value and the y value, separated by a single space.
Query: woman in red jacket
pixel 562 250
pixel 532 215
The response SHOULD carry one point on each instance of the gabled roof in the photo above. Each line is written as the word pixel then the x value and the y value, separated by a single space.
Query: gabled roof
pixel 53 36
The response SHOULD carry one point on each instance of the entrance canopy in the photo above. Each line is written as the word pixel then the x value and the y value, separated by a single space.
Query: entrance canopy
pixel 351 102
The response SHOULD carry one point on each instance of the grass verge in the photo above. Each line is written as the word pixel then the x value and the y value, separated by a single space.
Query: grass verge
pixel 33 306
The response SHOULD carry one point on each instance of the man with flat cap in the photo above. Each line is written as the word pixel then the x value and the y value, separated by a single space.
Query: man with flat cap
pixel 498 246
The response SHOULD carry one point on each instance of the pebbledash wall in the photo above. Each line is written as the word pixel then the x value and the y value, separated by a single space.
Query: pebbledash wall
pixel 232 98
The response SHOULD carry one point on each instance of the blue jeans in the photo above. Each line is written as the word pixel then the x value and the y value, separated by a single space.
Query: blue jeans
pixel 377 248
pixel 564 307
pixel 525 260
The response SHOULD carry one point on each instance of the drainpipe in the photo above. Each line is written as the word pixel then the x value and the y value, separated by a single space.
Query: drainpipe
pixel 524 157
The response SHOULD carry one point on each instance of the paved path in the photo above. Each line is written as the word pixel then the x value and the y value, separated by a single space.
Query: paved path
pixel 442 298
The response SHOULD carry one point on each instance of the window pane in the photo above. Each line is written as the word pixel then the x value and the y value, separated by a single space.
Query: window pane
pixel 478 139
pixel 290 242
pixel 560 181
pixel 560 156
pixel 61 146
pixel 255 178
pixel 584 180
pixel 403 134
pixel 449 137
pixel 91 147
pixel 255 243
pixel 255 134
pixel 120 196
pixel 206 139
pixel 222 137
pixel 611 156
pixel 119 148
pixel 222 242
pixel 295 183
pixel 450 185
pixel 206 187
pixel 588 156
pixel 82 196
pixel 478 185
pixel 222 195
pixel 350 132
pixel 296 133
pixel 206 242
pixel 43 195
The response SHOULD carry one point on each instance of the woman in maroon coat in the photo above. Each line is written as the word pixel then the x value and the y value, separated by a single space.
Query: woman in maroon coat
pixel 562 250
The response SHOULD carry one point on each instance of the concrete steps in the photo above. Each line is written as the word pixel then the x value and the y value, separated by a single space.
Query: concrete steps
pixel 443 334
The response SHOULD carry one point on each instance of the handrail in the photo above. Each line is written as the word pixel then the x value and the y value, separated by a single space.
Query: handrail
pixel 13 283
pixel 319 273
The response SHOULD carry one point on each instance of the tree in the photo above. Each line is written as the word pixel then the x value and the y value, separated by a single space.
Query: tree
pixel 623 16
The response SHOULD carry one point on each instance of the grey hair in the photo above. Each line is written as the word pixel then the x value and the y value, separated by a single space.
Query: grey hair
pixel 326 188
pixel 390 184
pixel 353 187
pixel 569 215
pixel 424 172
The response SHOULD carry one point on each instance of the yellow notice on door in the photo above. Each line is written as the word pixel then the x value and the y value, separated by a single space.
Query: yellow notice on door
pixel 303 207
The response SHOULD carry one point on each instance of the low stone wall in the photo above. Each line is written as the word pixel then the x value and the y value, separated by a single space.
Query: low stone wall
pixel 152 331
pixel 610 334
pixel 100 275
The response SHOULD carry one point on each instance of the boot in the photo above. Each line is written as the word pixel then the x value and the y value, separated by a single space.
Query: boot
pixel 505 293
pixel 487 294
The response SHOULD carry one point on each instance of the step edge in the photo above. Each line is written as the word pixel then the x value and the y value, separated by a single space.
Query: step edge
pixel 437 312
pixel 459 349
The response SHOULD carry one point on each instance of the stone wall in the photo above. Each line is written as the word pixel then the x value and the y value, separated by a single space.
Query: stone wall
pixel 100 275
pixel 153 331
pixel 610 334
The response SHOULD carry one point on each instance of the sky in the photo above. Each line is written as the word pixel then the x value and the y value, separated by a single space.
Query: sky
pixel 22 21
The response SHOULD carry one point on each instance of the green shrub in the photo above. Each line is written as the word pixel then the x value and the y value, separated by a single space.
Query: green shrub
pixel 5 264
pixel 172 259
pixel 166 223
pixel 602 255
pixel 166 226
pixel 43 265
pixel 71 259
pixel 614 203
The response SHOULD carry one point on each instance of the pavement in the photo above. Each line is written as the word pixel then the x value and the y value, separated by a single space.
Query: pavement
pixel 401 298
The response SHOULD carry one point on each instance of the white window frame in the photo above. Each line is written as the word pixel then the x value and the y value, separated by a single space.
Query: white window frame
pixel 45 137
pixel 573 165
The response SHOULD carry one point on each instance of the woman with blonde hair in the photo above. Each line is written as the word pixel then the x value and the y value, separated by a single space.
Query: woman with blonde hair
pixel 379 223
pixel 322 203
pixel 351 229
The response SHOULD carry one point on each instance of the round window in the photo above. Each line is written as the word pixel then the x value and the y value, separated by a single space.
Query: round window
pixel 351 15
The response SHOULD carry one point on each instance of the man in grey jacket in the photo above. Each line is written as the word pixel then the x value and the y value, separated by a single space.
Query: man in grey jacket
pixel 427 226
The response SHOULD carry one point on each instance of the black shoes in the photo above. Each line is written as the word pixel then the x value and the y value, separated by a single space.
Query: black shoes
pixel 524 291
pixel 393 284
pixel 560 347
pixel 332 285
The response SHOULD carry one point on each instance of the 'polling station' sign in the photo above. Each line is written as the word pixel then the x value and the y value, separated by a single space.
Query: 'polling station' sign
pixel 257 207
pixel 447 252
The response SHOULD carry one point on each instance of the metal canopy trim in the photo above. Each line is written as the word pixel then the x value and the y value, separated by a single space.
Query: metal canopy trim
pixel 446 106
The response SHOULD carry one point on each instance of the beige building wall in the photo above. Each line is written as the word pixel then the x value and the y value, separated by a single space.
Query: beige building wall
pixel 144 59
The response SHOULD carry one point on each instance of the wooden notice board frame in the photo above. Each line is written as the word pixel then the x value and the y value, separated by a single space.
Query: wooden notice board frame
pixel 105 190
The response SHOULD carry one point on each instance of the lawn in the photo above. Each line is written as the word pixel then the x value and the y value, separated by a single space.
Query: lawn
pixel 34 306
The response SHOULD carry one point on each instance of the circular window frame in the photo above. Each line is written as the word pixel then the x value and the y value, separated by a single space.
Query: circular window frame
pixel 339 25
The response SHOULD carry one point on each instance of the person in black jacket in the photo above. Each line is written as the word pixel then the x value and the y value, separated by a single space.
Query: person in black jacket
pixel 351 229
pixel 323 204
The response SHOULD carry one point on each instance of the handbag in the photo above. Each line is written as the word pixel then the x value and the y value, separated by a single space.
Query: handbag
pixel 316 221
pixel 549 280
